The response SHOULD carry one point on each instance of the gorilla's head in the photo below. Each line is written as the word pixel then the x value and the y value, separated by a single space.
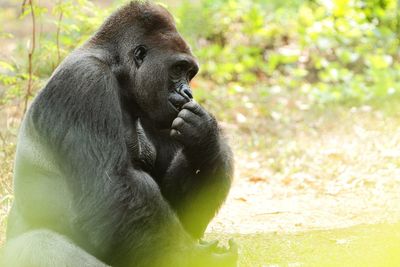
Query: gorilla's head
pixel 157 61
pixel 163 69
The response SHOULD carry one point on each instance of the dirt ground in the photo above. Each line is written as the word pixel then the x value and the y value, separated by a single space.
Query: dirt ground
pixel 332 172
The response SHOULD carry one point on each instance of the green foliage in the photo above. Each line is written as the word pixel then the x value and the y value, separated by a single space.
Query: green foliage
pixel 325 51
pixel 68 24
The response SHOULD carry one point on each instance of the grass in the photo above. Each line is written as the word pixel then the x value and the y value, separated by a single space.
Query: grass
pixel 364 246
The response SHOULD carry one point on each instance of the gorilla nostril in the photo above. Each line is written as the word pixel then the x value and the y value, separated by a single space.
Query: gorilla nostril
pixel 187 92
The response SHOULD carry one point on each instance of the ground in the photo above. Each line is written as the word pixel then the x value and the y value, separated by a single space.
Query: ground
pixel 337 169
pixel 326 193
pixel 357 246
pixel 317 188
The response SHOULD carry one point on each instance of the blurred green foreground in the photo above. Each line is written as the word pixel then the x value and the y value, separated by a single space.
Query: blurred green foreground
pixel 361 246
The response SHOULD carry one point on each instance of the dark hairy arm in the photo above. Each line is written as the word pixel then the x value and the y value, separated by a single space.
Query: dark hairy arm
pixel 199 178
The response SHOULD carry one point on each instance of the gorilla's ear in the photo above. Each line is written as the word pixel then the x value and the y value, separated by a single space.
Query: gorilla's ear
pixel 139 54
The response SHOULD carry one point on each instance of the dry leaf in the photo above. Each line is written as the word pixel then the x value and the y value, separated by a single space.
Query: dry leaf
pixel 256 179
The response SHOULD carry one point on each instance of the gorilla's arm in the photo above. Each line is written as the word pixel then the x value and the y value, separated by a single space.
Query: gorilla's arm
pixel 198 180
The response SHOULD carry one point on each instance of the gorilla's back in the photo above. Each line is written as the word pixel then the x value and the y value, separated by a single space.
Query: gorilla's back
pixel 42 197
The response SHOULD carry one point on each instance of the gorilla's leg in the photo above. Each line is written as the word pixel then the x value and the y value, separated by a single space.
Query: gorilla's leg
pixel 44 248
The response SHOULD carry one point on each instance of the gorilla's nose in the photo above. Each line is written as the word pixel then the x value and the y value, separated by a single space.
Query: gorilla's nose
pixel 186 92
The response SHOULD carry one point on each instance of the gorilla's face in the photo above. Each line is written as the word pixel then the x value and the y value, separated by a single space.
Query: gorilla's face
pixel 162 75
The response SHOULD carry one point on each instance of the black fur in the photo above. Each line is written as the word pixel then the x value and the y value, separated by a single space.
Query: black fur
pixel 116 164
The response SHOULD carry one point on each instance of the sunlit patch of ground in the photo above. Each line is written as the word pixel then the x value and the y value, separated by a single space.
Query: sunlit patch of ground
pixel 357 246
pixel 333 170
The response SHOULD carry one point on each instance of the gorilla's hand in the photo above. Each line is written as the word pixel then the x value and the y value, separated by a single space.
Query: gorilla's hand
pixel 217 256
pixel 195 128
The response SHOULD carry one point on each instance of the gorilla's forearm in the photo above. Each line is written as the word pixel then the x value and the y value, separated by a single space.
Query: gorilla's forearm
pixel 212 159
pixel 196 185
pixel 190 170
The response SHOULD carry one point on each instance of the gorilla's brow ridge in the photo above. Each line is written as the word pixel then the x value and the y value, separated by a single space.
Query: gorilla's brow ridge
pixel 171 40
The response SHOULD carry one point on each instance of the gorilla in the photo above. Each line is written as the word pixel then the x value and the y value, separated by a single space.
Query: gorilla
pixel 116 163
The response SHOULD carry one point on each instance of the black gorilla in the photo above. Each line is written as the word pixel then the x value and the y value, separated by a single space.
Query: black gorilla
pixel 116 163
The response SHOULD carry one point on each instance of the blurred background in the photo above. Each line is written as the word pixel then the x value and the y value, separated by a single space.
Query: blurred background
pixel 307 93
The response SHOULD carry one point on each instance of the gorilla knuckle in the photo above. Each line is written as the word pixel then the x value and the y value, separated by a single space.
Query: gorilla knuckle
pixel 178 122
pixel 185 114
pixel 175 133
pixel 190 105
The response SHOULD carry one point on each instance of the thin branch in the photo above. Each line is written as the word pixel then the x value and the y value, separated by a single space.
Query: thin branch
pixel 398 18
pixel 30 56
pixel 2 138
pixel 23 7
pixel 58 32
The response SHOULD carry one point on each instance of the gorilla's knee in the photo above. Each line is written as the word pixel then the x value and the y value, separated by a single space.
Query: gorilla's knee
pixel 44 248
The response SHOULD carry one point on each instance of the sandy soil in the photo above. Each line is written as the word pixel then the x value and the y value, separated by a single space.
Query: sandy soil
pixel 344 172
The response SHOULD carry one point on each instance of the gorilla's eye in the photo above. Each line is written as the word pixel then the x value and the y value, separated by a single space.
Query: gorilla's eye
pixel 139 54
pixel 184 69
pixel 179 68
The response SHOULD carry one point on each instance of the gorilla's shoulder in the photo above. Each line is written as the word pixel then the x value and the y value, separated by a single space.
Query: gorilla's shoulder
pixel 81 72
pixel 84 63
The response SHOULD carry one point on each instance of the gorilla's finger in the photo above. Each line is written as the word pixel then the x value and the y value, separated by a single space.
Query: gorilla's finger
pixel 213 245
pixel 195 108
pixel 203 242
pixel 189 116
pixel 228 258
pixel 177 123
pixel 182 126
pixel 176 134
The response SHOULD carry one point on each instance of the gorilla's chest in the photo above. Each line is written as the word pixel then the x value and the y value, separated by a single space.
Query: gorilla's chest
pixel 141 148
